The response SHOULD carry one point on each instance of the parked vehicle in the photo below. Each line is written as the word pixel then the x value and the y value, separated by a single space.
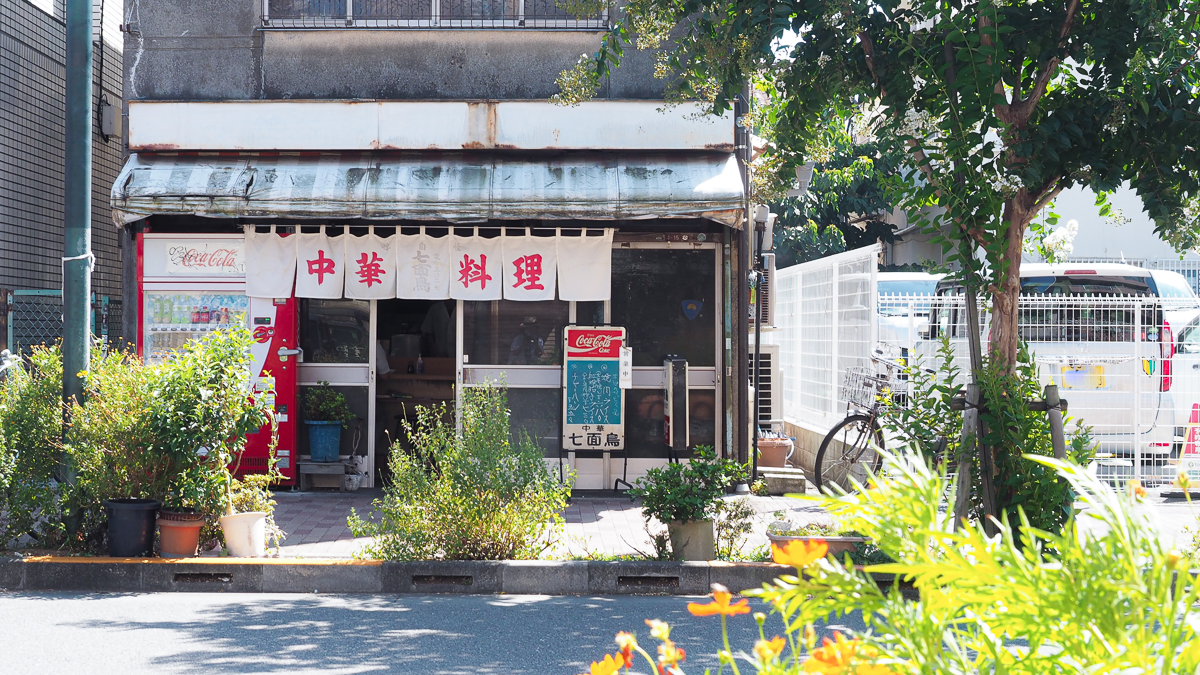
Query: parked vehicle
pixel 1105 333
pixel 903 306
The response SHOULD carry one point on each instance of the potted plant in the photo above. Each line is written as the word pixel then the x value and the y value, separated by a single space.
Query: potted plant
pixel 325 413
pixel 684 497
pixel 838 540
pixel 200 415
pixel 121 475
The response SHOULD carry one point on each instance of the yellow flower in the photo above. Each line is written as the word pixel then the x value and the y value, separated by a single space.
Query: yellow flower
pixel 1183 480
pixel 669 656
pixel 720 604
pixel 609 666
pixel 659 629
pixel 799 553
pixel 766 650
pixel 810 637
pixel 1136 489
pixel 1173 558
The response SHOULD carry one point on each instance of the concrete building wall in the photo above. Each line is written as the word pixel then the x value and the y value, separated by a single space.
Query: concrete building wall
pixel 32 116
pixel 224 53
pixel 1101 237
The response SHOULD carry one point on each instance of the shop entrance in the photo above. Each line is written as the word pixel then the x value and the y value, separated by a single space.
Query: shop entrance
pixel 414 367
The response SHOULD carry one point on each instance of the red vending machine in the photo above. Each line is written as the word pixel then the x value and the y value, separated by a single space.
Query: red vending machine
pixel 192 284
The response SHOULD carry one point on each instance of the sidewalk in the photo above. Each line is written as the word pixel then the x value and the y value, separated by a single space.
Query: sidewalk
pixel 596 527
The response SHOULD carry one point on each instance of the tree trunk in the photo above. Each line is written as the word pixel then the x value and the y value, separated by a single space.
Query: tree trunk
pixel 1004 338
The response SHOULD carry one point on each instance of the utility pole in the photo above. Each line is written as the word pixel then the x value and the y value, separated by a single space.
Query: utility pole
pixel 77 206
pixel 740 270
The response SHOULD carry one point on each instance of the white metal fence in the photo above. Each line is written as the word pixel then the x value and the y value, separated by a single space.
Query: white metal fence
pixel 825 313
pixel 1128 369
pixel 1128 366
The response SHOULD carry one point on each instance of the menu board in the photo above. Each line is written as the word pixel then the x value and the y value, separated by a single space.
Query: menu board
pixel 593 399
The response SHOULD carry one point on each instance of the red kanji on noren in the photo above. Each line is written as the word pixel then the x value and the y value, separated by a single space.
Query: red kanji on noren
pixel 321 266
pixel 470 271
pixel 369 271
pixel 529 272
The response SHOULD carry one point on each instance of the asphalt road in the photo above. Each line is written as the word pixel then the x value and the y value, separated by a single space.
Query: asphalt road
pixel 128 634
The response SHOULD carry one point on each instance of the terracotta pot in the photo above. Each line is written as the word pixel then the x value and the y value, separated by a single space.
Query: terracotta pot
pixel 179 534
pixel 773 452
pixel 692 540
pixel 837 545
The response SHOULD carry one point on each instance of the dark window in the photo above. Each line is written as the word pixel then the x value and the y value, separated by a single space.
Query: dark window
pixel 507 332
pixel 538 413
pixel 335 331
pixel 665 300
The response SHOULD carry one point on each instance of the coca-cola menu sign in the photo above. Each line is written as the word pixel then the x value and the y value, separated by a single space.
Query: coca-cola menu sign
pixel 220 256
pixel 593 400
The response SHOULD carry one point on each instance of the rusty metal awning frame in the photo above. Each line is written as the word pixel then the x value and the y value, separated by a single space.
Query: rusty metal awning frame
pixel 458 187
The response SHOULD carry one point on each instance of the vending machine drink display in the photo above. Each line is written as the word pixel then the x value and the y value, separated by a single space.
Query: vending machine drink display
pixel 194 284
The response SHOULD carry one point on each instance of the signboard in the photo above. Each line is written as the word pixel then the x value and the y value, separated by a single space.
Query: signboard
pixel 195 257
pixel 593 399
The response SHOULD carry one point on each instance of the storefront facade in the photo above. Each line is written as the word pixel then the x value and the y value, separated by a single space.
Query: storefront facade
pixel 405 276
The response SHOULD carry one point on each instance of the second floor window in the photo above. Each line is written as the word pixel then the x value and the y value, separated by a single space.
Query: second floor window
pixel 429 14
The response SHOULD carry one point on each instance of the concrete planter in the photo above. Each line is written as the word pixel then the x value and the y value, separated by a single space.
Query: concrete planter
pixel 837 545
pixel 692 540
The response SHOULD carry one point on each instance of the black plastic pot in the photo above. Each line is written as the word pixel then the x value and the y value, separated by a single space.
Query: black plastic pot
pixel 131 527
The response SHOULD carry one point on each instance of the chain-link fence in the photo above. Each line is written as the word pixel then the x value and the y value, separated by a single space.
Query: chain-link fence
pixel 35 317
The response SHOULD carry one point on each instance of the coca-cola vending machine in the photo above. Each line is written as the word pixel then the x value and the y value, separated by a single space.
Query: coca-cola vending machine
pixel 190 285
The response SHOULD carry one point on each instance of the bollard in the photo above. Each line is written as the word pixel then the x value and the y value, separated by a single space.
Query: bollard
pixel 1054 411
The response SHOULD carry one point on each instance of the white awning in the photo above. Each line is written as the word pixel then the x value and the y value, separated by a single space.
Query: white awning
pixel 455 187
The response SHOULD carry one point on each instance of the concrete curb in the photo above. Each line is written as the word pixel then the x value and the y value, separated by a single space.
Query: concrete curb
pixel 273 575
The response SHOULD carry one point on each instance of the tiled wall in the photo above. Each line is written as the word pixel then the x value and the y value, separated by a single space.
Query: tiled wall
pixel 32 57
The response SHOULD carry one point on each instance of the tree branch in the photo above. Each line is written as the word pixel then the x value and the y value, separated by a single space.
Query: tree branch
pixel 1020 110
pixel 868 47
pixel 1045 199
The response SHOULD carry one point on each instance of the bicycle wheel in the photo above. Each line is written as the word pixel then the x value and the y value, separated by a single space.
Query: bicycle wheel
pixel 847 452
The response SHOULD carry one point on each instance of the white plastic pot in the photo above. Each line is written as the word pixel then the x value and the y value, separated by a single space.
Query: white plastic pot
pixel 246 534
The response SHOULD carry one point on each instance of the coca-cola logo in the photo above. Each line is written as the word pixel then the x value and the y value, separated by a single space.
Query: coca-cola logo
pixel 590 342
pixel 595 342
pixel 200 259
pixel 222 258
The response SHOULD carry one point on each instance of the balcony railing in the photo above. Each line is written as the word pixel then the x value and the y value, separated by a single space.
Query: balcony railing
pixel 429 14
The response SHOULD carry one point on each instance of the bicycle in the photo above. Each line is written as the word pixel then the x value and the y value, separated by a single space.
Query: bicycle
pixel 859 434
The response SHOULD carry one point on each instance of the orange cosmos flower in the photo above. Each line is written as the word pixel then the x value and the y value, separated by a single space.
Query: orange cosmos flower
pixel 609 666
pixel 799 553
pixel 766 650
pixel 836 656
pixel 720 604
pixel 1136 489
pixel 626 643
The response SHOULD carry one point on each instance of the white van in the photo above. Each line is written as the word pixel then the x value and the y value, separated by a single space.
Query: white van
pixel 1113 364
pixel 903 306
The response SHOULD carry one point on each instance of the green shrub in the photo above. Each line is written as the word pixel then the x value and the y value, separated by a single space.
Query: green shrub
pixel 31 418
pixel 687 492
pixel 474 495
pixel 325 404
pixel 1102 597
pixel 167 431
pixel 1011 430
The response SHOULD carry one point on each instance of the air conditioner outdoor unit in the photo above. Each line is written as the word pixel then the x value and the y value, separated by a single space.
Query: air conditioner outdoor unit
pixel 766 306
pixel 770 385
